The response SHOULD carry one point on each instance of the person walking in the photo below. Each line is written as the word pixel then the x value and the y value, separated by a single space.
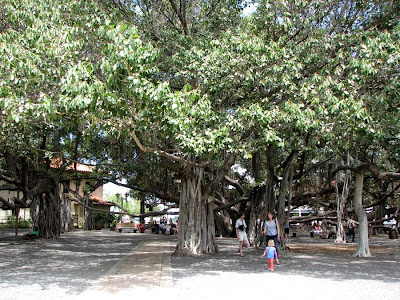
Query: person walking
pixel 270 252
pixel 272 232
pixel 241 233
pixel 351 229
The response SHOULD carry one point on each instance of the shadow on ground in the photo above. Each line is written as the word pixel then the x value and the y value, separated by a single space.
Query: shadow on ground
pixel 309 257
pixel 72 262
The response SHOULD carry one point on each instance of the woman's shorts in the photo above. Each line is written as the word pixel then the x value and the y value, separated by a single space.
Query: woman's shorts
pixel 242 236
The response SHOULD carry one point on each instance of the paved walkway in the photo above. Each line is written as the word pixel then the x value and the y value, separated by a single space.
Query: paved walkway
pixel 147 267
pixel 80 264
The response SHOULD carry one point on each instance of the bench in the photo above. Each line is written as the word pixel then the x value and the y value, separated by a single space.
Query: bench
pixel 130 226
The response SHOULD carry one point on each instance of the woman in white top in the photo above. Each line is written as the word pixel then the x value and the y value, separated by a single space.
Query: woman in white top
pixel 241 233
pixel 272 232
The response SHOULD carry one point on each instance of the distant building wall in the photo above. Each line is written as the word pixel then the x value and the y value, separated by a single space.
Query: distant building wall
pixel 8 195
pixel 24 214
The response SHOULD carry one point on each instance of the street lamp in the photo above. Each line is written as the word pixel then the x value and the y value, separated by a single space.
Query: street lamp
pixel 126 199
pixel 119 195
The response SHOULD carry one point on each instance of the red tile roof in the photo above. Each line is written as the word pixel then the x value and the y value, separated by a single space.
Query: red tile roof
pixel 57 163
pixel 100 201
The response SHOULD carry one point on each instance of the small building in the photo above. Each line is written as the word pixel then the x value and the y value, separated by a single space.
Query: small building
pixel 96 197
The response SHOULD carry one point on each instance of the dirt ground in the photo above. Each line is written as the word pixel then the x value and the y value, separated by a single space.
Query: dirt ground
pixel 344 249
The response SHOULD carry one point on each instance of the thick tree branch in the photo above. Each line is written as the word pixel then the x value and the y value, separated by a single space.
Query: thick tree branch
pixel 235 184
pixel 6 205
pixel 159 195
pixel 310 218
pixel 230 204
pixel 384 197
pixel 181 160
pixel 181 13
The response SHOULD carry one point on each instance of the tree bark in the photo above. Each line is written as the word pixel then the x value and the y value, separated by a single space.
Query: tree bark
pixel 17 210
pixel 257 202
pixel 223 224
pixel 270 198
pixel 289 203
pixel 251 226
pixel 363 246
pixel 196 217
pixel 88 222
pixel 285 183
pixel 49 223
pixel 341 206
pixel 67 221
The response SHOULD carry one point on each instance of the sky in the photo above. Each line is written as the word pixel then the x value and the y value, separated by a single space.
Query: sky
pixel 112 189
pixel 249 10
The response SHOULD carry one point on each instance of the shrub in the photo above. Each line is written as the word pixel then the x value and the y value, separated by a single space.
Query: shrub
pixel 21 223
pixel 104 217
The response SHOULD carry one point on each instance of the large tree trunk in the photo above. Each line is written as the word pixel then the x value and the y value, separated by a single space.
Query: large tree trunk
pixel 289 203
pixel 268 192
pixel 223 223
pixel 363 246
pixel 270 198
pixel 341 200
pixel 257 208
pixel 67 221
pixel 285 184
pixel 88 223
pixel 251 226
pixel 196 217
pixel 49 222
pixel 257 205
pixel 34 211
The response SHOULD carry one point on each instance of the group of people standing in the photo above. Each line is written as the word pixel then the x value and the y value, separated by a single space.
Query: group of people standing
pixel 271 231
